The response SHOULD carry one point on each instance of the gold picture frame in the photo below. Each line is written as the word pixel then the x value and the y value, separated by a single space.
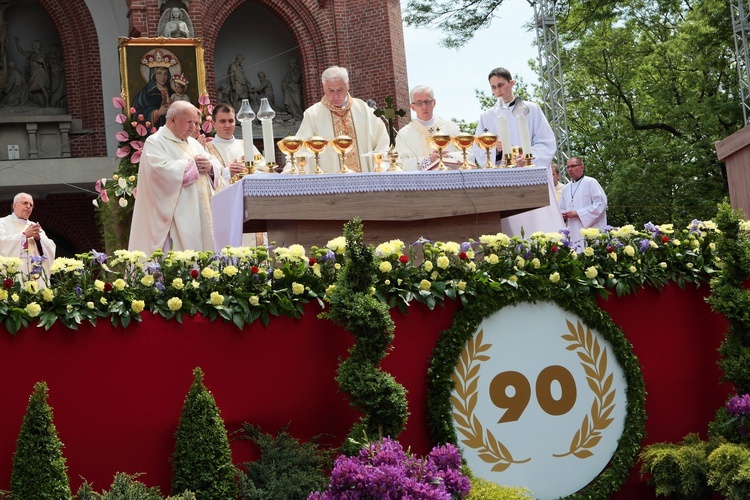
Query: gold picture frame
pixel 140 60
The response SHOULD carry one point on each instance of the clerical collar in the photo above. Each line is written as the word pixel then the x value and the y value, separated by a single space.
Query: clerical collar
pixel 513 102
pixel 219 140
pixel 428 123
pixel 580 178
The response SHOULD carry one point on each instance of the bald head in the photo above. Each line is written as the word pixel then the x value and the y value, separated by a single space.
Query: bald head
pixel 182 119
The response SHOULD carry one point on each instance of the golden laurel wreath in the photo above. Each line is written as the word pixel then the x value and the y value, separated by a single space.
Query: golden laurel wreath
pixel 466 379
pixel 594 361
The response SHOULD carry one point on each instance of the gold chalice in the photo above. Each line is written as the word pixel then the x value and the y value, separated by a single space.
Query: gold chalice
pixel 440 140
pixel 487 141
pixel 343 144
pixel 290 145
pixel 302 163
pixel 316 145
pixel 377 159
pixel 463 141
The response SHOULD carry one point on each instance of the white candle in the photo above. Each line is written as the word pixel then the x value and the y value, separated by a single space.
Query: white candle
pixel 247 139
pixel 504 129
pixel 268 148
pixel 523 132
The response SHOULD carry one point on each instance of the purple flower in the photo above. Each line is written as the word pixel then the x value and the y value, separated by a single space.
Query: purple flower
pixel 644 245
pixel 78 290
pixel 421 241
pixel 651 228
pixel 329 255
pixel 739 405
pixel 101 258
pixel 465 246
pixel 159 286
pixel 152 267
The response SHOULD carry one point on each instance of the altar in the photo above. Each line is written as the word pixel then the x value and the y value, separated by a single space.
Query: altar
pixel 454 205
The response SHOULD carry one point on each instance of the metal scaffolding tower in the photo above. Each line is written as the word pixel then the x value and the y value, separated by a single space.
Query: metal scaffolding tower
pixel 741 25
pixel 550 74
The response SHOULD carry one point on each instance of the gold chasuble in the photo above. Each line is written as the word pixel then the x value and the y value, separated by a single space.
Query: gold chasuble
pixel 343 124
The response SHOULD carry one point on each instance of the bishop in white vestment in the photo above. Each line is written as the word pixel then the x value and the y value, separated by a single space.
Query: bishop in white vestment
pixel 583 203
pixel 24 239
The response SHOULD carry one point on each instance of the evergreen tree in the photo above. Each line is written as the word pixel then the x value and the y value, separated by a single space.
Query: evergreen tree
pixel 202 460
pixel 39 470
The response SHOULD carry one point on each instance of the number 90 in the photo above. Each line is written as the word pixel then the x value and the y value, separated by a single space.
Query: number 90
pixel 517 403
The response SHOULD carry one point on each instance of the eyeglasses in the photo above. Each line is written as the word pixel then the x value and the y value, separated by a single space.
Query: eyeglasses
pixel 426 102
pixel 574 166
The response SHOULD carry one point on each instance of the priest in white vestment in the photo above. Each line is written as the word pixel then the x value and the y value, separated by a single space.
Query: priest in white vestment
pixel 543 147
pixel 413 140
pixel 176 178
pixel 583 203
pixel 338 113
pixel 24 239
pixel 225 147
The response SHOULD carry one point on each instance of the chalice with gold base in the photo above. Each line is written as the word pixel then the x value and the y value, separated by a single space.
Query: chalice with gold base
pixel 487 140
pixel 316 145
pixel 377 159
pixel 463 141
pixel 302 163
pixel 440 140
pixel 290 145
pixel 343 144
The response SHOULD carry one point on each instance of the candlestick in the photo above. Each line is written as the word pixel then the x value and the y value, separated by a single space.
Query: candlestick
pixel 520 111
pixel 503 112
pixel 246 115
pixel 266 115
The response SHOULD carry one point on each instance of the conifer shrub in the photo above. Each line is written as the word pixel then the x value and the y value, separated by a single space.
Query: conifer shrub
pixel 127 487
pixel 202 461
pixel 39 469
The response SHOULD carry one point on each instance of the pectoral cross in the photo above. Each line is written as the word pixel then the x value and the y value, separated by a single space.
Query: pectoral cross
pixel 389 113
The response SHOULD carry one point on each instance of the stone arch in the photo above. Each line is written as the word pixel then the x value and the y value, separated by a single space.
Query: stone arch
pixel 306 21
pixel 83 80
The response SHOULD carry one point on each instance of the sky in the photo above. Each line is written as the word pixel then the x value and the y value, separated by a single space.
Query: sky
pixel 453 74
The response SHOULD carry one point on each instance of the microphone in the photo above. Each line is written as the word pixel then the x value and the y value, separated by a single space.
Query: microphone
pixel 371 103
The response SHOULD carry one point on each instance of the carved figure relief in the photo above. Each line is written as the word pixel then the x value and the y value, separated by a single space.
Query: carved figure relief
pixel 175 23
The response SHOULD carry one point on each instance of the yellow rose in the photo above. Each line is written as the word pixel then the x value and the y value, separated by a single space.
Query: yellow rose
pixel 470 254
pixel 632 269
pixel 217 299
pixel 676 243
pixel 520 262
pixel 591 272
pixel 31 286
pixel 147 280
pixel 629 251
pixel 254 300
pixel 472 266
pixel 103 301
pixel 554 277
pixel 90 304
pixel 337 266
pixel 461 285
pixel 298 289
pixel 443 262
pixel 663 265
pixel 137 306
pixel 689 265
pixel 536 263
pixel 119 284
pixel 613 256
pixel 3 294
pixel 588 251
pixel 316 270
pixel 428 265
pixel 278 274
pixel 425 285
pixel 513 278
pixel 208 273
pixel 493 259
pixel 434 275
pixel 230 271
pixel 385 267
pixel 174 304
pixel 48 294
pixel 178 284
pixel 712 246
pixel 33 309
pixel 99 285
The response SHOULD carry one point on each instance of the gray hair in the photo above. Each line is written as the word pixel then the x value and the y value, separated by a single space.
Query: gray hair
pixel 178 107
pixel 421 88
pixel 335 73
pixel 17 197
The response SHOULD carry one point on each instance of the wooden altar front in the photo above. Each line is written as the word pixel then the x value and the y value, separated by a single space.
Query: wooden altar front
pixel 311 210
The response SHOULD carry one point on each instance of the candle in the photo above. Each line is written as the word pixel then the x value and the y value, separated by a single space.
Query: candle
pixel 268 149
pixel 247 139
pixel 521 111
pixel 504 130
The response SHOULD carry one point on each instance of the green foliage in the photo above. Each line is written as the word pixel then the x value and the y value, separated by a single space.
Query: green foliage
pixel 678 469
pixel 459 20
pixel 127 487
pixel 202 461
pixel 39 470
pixel 287 469
pixel 481 489
pixel 729 471
pixel 354 306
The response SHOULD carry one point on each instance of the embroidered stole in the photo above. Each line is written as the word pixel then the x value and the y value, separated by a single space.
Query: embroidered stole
pixel 343 123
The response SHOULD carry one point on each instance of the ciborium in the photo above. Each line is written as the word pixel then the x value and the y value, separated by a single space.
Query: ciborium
pixel 440 140
pixel 290 145
pixel 394 161
pixel 343 144
pixel 316 145
pixel 487 140
pixel 463 141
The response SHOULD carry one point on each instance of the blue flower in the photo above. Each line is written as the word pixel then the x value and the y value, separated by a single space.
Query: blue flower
pixel 160 286
pixel 99 257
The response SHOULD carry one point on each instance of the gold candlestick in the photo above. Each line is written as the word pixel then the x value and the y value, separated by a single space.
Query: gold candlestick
pixel 487 141
pixel 463 141
pixel 316 145
pixel 290 145
pixel 440 140
pixel 343 144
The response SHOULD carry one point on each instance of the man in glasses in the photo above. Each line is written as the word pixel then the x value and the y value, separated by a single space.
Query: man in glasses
pixel 412 141
pixel 583 203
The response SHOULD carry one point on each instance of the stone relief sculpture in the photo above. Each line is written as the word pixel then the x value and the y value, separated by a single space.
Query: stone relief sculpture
pixel 175 23
pixel 58 94
pixel 37 73
pixel 291 85
pixel 237 82
pixel 15 92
